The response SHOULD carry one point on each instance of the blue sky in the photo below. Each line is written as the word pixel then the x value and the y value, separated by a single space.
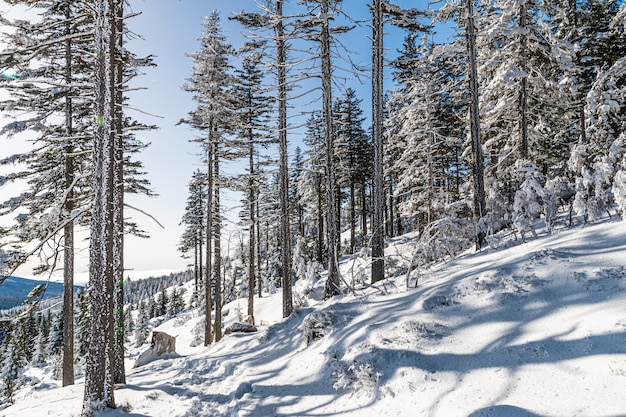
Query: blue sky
pixel 168 29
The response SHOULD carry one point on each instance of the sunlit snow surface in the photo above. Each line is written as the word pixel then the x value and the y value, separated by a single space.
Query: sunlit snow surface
pixel 529 329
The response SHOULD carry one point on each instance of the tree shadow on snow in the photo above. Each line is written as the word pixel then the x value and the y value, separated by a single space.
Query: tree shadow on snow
pixel 503 411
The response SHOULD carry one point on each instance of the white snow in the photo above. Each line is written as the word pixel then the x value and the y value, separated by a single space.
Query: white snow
pixel 530 329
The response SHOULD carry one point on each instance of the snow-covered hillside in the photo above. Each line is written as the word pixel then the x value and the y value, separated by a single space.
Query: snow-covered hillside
pixel 529 329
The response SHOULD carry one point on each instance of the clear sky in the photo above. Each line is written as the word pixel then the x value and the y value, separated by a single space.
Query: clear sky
pixel 168 29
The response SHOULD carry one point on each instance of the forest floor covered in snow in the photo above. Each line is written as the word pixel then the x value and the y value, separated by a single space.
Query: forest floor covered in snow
pixel 535 328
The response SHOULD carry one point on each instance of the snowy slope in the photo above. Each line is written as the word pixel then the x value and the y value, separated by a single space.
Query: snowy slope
pixel 531 329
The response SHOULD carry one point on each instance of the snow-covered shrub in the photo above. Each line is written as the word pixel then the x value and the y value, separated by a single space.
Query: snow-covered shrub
pixel 528 201
pixel 556 192
pixel 447 236
pixel 619 192
pixel 198 334
pixel 316 325
pixel 497 215
pixel 359 378
pixel 595 191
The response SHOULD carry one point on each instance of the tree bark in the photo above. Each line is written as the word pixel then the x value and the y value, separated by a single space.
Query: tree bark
pixel 217 252
pixel 320 220
pixel 285 232
pixel 258 248
pixel 523 104
pixel 378 192
pixel 98 375
pixel 332 282
pixel 478 166
pixel 209 242
pixel 119 370
pixel 252 237
pixel 68 232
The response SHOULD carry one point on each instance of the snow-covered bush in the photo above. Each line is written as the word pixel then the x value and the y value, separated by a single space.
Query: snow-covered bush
pixel 528 202
pixel 359 378
pixel 447 236
pixel 316 325
pixel 619 192
pixel 556 192
pixel 596 184
pixel 498 214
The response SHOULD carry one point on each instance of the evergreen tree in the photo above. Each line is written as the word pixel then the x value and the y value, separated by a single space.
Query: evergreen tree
pixel 10 374
pixel 254 107
pixel 353 153
pixel 211 84
pixel 311 187
pixel 162 303
pixel 194 218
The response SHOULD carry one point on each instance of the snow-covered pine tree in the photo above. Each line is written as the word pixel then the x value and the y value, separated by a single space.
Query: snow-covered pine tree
pixel 353 155
pixel 424 138
pixel 311 189
pixel 254 106
pixel 193 219
pixel 211 83
pixel 271 20
pixel 142 330
pixel 58 83
pixel 382 12
pixel 596 161
pixel 10 370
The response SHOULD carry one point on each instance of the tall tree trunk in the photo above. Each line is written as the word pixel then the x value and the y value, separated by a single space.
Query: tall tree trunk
pixel 285 232
pixel 523 104
pixel 363 209
pixel 68 232
pixel 200 259
pixel 478 166
pixel 352 216
pixel 252 238
pixel 378 192
pixel 217 252
pixel 209 241
pixel 98 375
pixel 196 277
pixel 119 370
pixel 332 282
pixel 258 248
pixel 320 220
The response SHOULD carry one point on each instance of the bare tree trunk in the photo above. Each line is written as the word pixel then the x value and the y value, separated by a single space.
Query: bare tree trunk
pixel 378 192
pixel 252 238
pixel 332 282
pixel 478 166
pixel 524 84
pixel 258 248
pixel 320 221
pixel 119 370
pixel 285 232
pixel 209 242
pixel 352 216
pixel 98 375
pixel 68 232
pixel 196 276
pixel 363 209
pixel 200 258
pixel 217 252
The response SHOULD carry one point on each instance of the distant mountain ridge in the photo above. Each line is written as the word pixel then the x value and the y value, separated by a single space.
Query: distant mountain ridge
pixel 14 290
